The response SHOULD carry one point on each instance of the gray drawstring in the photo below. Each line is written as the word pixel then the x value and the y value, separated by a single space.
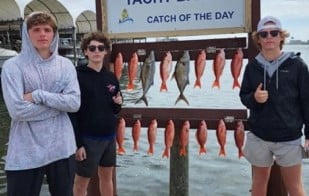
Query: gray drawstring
pixel 264 82
pixel 277 75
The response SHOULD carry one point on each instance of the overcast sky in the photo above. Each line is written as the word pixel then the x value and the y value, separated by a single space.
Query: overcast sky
pixel 294 15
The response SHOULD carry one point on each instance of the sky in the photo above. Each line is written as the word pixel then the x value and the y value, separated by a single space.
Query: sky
pixel 293 14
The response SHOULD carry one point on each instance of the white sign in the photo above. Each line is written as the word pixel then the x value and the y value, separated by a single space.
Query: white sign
pixel 133 18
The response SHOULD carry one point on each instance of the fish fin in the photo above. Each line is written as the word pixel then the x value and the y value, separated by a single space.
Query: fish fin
pixel 182 151
pixel 182 97
pixel 202 150
pixel 143 98
pixel 135 147
pixel 166 153
pixel 216 83
pixel 163 87
pixel 197 84
pixel 150 150
pixel 236 84
pixel 222 152
pixel 130 86
pixel 240 153
pixel 121 150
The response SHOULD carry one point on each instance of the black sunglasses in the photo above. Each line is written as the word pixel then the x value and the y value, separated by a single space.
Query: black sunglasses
pixel 273 33
pixel 93 48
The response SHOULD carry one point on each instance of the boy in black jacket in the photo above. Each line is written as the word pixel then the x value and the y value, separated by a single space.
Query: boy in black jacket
pixel 275 89
pixel 95 122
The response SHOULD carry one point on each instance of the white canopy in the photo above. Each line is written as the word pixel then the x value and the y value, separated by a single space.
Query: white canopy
pixel 68 13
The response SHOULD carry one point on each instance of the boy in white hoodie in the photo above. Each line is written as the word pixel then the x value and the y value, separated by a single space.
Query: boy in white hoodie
pixel 39 88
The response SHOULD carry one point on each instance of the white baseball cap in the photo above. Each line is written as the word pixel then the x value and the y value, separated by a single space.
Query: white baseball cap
pixel 273 22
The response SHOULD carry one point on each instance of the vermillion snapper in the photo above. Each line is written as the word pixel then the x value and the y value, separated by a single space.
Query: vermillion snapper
pixel 236 65
pixel 218 66
pixel 181 75
pixel 147 75
pixel 239 137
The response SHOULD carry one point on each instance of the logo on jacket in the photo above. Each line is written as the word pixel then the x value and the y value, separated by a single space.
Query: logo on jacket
pixel 111 88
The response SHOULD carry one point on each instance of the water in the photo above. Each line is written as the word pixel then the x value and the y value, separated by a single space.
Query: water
pixel 209 175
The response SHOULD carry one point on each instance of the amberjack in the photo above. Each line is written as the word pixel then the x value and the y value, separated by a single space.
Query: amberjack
pixel 181 74
pixel 147 76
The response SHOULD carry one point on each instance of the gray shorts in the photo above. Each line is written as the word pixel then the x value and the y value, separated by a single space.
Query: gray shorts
pixel 263 153
pixel 99 153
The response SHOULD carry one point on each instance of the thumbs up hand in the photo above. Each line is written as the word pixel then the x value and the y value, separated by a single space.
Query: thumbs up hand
pixel 260 95
pixel 117 99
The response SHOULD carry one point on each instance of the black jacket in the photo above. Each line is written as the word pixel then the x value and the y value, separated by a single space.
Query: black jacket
pixel 97 114
pixel 282 116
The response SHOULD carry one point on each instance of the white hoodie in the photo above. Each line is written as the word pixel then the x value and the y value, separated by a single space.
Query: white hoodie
pixel 41 132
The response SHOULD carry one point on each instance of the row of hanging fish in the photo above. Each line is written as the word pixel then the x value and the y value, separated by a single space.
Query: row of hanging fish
pixel 181 71
pixel 169 134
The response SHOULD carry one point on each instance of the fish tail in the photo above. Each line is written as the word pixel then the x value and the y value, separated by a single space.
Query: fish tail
pixel 166 153
pixel 135 147
pixel 121 150
pixel 182 97
pixel 163 87
pixel 150 150
pixel 236 84
pixel 216 83
pixel 130 86
pixel 202 150
pixel 240 153
pixel 197 84
pixel 222 152
pixel 182 151
pixel 143 98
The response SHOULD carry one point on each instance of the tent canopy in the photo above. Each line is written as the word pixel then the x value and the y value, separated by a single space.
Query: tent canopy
pixel 12 15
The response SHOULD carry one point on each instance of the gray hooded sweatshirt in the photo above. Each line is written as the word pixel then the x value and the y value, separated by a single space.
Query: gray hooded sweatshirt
pixel 41 132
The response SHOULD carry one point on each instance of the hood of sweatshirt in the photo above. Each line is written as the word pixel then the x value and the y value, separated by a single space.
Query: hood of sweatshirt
pixel 271 67
pixel 29 52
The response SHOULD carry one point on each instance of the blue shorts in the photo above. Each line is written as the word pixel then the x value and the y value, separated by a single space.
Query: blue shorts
pixel 99 153
pixel 263 153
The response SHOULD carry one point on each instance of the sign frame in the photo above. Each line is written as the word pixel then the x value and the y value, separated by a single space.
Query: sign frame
pixel 246 27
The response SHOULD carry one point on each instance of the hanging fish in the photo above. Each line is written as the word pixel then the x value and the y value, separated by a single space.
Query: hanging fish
pixel 136 132
pixel 218 66
pixel 200 64
pixel 132 71
pixel 165 70
pixel 236 65
pixel 221 137
pixel 152 135
pixel 201 136
pixel 239 136
pixel 184 138
pixel 120 134
pixel 181 74
pixel 118 65
pixel 169 134
pixel 147 76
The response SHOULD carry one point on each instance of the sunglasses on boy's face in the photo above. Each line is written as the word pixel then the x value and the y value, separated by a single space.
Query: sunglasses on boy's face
pixel 93 48
pixel 273 33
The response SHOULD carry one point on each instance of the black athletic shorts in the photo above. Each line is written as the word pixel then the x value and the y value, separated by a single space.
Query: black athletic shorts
pixel 99 153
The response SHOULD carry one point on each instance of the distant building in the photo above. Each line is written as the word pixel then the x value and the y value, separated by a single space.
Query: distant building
pixel 298 42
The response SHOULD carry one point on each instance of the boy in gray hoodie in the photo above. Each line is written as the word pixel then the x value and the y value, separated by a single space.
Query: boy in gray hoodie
pixel 39 88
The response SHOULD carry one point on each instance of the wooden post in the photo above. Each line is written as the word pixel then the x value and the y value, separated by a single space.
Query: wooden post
pixel 179 170
pixel 275 184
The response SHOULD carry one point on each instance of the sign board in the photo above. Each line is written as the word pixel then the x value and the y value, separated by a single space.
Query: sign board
pixel 162 18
